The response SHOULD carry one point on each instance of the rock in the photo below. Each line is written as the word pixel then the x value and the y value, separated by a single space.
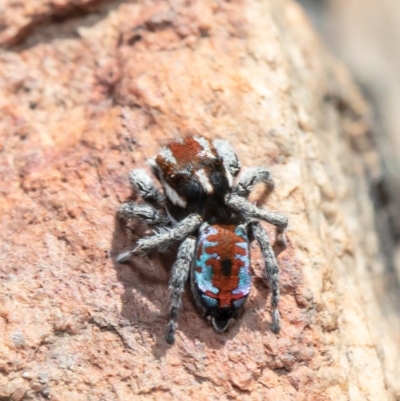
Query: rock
pixel 346 27
pixel 84 101
pixel 5 393
pixel 19 394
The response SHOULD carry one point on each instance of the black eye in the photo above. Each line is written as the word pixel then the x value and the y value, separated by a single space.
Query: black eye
pixel 218 161
pixel 176 179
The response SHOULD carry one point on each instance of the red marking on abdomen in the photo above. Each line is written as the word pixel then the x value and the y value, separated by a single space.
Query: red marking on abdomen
pixel 226 249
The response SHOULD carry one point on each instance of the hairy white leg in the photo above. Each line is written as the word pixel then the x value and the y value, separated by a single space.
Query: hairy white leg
pixel 229 157
pixel 271 271
pixel 164 238
pixel 179 276
pixel 144 212
pixel 144 185
pixel 250 178
pixel 250 211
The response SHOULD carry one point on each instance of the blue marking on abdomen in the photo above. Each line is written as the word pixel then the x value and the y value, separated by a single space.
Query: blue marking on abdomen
pixel 204 277
pixel 244 272
pixel 237 303
pixel 211 302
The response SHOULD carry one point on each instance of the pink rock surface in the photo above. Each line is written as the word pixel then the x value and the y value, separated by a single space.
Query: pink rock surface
pixel 83 101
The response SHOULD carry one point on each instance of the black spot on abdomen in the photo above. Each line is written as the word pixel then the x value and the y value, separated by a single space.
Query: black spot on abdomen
pixel 226 265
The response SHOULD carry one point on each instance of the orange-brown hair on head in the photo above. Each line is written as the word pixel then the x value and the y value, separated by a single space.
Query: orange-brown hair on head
pixel 186 152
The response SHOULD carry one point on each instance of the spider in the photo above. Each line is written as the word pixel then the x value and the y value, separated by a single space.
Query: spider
pixel 204 210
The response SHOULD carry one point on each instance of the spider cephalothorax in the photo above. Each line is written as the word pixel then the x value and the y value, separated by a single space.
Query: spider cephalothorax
pixel 209 214
pixel 194 177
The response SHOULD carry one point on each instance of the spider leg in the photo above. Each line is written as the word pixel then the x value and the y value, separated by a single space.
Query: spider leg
pixel 164 237
pixel 143 184
pixel 144 212
pixel 271 270
pixel 179 276
pixel 251 177
pixel 229 157
pixel 251 211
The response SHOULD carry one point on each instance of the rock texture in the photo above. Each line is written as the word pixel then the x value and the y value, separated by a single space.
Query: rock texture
pixel 347 26
pixel 90 93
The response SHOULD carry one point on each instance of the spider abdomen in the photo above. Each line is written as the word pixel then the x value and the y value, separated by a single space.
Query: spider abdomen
pixel 221 278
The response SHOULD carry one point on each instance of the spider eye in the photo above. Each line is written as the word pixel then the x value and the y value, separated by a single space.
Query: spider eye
pixel 218 161
pixel 176 179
